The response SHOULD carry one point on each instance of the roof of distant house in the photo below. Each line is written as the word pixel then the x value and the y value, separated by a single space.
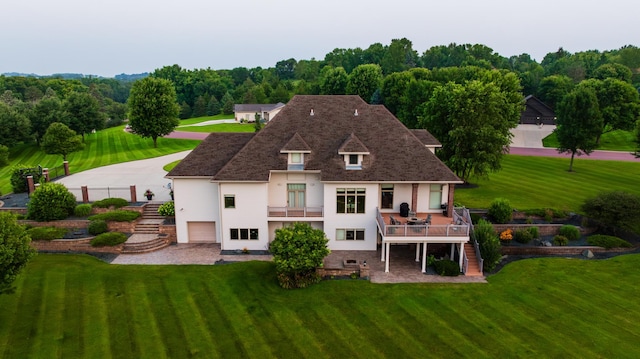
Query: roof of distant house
pixel 256 107
pixel 536 111
pixel 322 125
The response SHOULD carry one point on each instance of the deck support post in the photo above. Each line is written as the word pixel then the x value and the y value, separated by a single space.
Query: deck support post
pixel 386 263
pixel 461 252
pixel 424 257
pixel 418 252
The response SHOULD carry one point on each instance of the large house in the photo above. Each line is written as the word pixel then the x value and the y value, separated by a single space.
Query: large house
pixel 247 112
pixel 346 167
pixel 537 112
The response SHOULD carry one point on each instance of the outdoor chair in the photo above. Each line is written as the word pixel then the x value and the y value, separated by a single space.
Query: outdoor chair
pixel 428 220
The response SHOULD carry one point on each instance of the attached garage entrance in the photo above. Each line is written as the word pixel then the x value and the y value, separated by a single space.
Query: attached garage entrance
pixel 200 232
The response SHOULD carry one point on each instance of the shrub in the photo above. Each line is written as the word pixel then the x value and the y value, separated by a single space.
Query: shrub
pixel 607 242
pixel 111 202
pixel 117 216
pixel 500 211
pixel 560 240
pixel 572 233
pixel 506 235
pixel 46 233
pixel 535 232
pixel 447 268
pixel 82 210
pixel 614 210
pixel 489 243
pixel 109 239
pixel 97 226
pixel 167 209
pixel 51 201
pixel 547 213
pixel 297 251
pixel 523 236
pixel 19 175
pixel 15 251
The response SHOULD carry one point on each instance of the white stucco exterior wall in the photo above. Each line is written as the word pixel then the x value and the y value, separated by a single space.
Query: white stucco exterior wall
pixel 195 200
pixel 250 212
pixel 278 188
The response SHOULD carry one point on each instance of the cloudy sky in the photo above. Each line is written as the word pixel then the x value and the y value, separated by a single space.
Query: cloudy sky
pixel 132 36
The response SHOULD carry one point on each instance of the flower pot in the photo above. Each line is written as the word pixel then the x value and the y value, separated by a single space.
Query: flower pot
pixel 149 197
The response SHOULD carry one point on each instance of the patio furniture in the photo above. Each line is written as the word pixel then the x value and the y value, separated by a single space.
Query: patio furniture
pixel 428 220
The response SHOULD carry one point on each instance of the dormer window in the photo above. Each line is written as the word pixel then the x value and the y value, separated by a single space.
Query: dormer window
pixel 353 161
pixel 353 152
pixel 296 161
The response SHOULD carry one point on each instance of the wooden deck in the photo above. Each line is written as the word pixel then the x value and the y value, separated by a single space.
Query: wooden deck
pixel 436 218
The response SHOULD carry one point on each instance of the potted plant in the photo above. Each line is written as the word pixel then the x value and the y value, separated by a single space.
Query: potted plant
pixel 171 194
pixel 149 194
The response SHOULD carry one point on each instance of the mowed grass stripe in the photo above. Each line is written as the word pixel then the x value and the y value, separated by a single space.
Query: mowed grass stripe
pixel 147 334
pixel 120 329
pixel 52 314
pixel 96 318
pixel 73 320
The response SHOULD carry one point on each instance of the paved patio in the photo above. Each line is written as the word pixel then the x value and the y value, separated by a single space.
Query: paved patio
pixel 403 267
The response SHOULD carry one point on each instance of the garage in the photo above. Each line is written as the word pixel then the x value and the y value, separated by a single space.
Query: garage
pixel 202 232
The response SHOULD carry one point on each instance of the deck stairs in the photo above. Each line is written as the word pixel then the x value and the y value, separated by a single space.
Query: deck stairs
pixel 473 269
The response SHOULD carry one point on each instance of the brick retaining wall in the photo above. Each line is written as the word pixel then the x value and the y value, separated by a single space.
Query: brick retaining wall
pixel 74 245
pixel 73 223
pixel 170 231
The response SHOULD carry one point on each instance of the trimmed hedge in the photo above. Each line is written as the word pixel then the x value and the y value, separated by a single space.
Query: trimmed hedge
pixel 109 239
pixel 97 226
pixel 82 210
pixel 571 232
pixel 117 216
pixel 51 201
pixel 111 202
pixel 46 233
pixel 607 242
pixel 447 268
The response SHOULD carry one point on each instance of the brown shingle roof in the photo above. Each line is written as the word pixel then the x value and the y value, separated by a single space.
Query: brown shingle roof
pixel 296 143
pixel 396 154
pixel 426 138
pixel 210 155
pixel 353 145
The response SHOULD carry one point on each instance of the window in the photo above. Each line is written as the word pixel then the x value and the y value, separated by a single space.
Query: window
pixel 353 159
pixel 244 233
pixel 435 196
pixel 296 161
pixel 296 194
pixel 386 196
pixel 296 158
pixel 350 200
pixel 229 201
pixel 349 234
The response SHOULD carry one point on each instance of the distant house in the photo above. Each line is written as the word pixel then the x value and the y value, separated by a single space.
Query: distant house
pixel 346 167
pixel 537 113
pixel 247 112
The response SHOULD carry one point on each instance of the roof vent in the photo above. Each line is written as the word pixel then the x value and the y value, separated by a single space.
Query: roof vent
pixel 311 113
pixel 356 112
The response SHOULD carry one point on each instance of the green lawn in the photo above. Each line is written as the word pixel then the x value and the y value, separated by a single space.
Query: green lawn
pixel 222 127
pixel 611 141
pixel 544 182
pixel 72 306
pixel 103 148
pixel 191 121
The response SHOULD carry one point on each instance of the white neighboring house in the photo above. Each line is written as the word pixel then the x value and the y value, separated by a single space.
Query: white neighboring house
pixel 346 167
pixel 247 112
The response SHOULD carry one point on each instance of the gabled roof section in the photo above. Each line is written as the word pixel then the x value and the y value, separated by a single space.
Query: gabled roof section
pixel 426 138
pixel 536 112
pixel 353 145
pixel 396 154
pixel 210 155
pixel 296 144
pixel 256 107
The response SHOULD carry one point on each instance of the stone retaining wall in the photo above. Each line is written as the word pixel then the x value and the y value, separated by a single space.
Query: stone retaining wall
pixel 74 245
pixel 170 231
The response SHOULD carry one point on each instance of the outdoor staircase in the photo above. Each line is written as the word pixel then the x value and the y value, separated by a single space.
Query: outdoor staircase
pixel 146 236
pixel 473 270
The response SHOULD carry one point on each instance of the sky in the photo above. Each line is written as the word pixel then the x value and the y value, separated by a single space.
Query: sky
pixel 107 38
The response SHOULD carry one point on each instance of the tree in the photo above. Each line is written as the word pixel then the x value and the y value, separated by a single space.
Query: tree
pixel 61 140
pixel 614 210
pixel 579 122
pixel 333 81
pixel 213 107
pixel 473 121
pixel 554 88
pixel 51 201
pixel 399 56
pixel 616 71
pixel 14 126
pixel 15 250
pixel 297 251
pixel 489 244
pixel 84 113
pixel 364 80
pixel 227 103
pixel 257 124
pixel 153 110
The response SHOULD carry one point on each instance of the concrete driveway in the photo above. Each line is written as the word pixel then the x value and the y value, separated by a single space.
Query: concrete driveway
pixel 114 180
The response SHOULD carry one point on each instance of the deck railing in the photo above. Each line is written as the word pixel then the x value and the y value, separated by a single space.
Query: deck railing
pixel 464 214
pixel 273 211
pixel 424 230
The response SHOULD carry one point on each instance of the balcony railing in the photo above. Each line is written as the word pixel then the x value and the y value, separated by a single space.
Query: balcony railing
pixel 295 212
pixel 426 230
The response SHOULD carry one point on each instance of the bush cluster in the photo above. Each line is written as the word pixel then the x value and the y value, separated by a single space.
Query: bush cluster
pixel 523 236
pixel 109 239
pixel 51 201
pixel 500 211
pixel 447 268
pixel 607 242
pixel 46 233
pixel 547 213
pixel 117 216
pixel 97 226
pixel 111 202
pixel 82 210
pixel 614 210
pixel 167 209
pixel 572 233
pixel 19 179
pixel 490 247
pixel 560 240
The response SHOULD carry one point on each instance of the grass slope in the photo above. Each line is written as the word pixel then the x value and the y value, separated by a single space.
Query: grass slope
pixel 611 141
pixel 103 148
pixel 78 307
pixel 544 182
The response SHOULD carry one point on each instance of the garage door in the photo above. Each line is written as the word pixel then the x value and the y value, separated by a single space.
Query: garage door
pixel 202 231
